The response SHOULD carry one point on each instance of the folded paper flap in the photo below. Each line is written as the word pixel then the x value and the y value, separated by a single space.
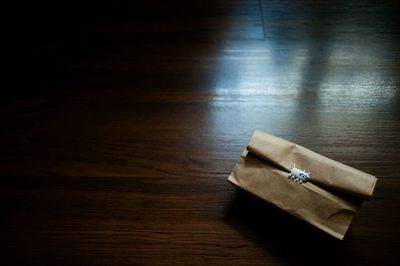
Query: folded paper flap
pixel 324 171
pixel 330 212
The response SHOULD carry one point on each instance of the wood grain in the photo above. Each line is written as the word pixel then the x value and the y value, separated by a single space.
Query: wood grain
pixel 125 119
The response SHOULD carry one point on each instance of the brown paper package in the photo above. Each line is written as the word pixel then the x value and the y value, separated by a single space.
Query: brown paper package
pixel 328 201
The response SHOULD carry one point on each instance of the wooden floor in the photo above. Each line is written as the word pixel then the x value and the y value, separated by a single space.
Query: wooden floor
pixel 125 119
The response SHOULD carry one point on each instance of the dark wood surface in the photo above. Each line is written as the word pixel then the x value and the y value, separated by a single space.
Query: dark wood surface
pixel 124 120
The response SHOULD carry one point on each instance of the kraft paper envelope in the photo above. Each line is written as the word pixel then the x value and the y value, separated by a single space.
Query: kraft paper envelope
pixel 330 198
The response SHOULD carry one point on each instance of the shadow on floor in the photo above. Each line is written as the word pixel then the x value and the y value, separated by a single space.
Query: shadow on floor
pixel 291 240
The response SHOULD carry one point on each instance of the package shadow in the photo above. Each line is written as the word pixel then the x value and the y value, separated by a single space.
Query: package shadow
pixel 283 236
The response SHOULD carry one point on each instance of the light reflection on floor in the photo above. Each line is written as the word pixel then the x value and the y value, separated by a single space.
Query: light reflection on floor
pixel 302 78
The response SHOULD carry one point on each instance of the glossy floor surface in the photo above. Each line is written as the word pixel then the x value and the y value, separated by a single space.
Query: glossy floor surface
pixel 125 119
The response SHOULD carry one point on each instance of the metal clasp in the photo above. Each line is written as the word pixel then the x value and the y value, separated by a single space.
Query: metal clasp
pixel 298 175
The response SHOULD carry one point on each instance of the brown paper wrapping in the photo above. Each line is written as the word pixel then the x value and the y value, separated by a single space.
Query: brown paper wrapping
pixel 328 201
